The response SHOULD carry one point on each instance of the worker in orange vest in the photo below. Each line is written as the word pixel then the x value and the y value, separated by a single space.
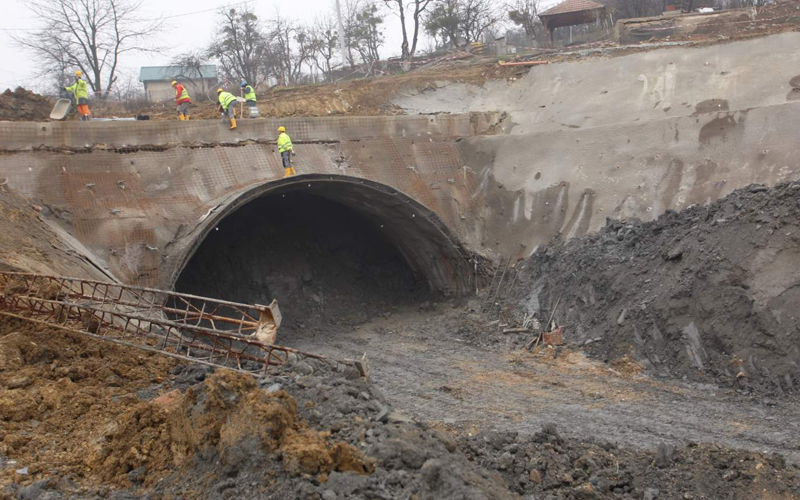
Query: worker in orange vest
pixel 182 100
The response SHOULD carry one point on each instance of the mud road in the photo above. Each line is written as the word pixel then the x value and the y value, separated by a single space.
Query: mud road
pixel 421 361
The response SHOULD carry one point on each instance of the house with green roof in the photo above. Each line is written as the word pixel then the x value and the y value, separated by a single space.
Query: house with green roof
pixel 157 81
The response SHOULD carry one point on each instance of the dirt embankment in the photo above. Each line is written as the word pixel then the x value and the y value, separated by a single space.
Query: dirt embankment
pixel 24 105
pixel 708 293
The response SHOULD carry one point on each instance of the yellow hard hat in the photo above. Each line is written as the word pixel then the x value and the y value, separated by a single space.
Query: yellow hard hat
pixel 281 129
pixel 219 90
pixel 174 83
pixel 79 73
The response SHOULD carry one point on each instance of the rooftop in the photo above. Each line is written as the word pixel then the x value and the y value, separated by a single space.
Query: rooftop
pixel 572 6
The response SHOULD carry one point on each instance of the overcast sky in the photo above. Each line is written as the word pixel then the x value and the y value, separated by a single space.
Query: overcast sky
pixel 18 67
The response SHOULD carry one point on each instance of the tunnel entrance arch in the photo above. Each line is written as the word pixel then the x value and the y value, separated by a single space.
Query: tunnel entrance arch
pixel 374 219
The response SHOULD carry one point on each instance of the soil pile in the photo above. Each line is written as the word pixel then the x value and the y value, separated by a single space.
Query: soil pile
pixel 58 391
pixel 710 293
pixel 24 105
pixel 549 467
pixel 226 422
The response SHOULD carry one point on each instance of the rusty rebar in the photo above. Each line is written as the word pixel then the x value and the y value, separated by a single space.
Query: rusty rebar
pixel 179 325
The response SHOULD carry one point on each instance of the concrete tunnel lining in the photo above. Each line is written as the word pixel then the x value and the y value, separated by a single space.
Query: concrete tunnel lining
pixel 426 244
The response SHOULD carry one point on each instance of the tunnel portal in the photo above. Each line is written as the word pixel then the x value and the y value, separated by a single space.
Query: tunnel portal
pixel 335 249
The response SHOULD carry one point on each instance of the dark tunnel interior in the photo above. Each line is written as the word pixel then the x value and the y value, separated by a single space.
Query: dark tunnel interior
pixel 325 263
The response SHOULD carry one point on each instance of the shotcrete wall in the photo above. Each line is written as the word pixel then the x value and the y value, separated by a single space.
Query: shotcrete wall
pixel 141 197
pixel 562 150
pixel 669 82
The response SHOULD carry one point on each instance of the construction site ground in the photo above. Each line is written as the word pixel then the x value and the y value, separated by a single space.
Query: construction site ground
pixel 454 409
pixel 423 362
pixel 455 406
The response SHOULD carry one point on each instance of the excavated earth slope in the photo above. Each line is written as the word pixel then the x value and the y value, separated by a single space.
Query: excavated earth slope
pixel 710 293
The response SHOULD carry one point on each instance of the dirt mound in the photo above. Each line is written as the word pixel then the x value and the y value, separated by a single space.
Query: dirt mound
pixel 58 391
pixel 24 105
pixel 226 420
pixel 710 293
pixel 548 466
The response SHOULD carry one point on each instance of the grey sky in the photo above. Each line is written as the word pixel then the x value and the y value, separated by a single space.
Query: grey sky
pixel 182 33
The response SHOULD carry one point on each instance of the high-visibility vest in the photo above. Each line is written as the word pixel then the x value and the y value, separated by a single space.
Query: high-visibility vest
pixel 284 142
pixel 226 99
pixel 80 89
pixel 183 96
pixel 250 93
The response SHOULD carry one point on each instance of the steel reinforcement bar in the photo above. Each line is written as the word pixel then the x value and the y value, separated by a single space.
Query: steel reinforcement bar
pixel 197 329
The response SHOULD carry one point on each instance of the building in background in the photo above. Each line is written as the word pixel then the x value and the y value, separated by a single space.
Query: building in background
pixel 157 81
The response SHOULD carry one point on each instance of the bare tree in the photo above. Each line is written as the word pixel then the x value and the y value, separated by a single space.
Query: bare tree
pixel 241 47
pixel 90 35
pixel 442 22
pixel 367 35
pixel 324 43
pixel 525 13
pixel 290 47
pixel 415 8
pixel 469 19
pixel 476 17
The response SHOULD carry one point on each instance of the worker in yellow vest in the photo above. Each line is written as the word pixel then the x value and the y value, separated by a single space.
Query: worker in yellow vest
pixel 250 98
pixel 80 89
pixel 285 150
pixel 227 107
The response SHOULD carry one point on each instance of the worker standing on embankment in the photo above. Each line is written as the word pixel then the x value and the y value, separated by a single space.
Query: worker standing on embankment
pixel 250 98
pixel 182 100
pixel 80 89
pixel 285 150
pixel 226 106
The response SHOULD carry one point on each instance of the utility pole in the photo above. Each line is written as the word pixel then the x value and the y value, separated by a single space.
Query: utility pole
pixel 341 33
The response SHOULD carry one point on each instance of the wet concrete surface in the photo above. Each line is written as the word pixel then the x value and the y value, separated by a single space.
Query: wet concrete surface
pixel 418 360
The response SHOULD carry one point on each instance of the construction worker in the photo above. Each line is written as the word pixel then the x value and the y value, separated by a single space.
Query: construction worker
pixel 285 149
pixel 227 107
pixel 80 89
pixel 250 98
pixel 182 100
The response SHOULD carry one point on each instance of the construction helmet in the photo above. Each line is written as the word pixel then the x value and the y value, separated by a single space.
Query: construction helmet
pixel 281 129
pixel 79 73
pixel 243 84
pixel 174 83
pixel 219 90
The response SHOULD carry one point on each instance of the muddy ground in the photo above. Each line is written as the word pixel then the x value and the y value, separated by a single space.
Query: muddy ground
pixel 82 420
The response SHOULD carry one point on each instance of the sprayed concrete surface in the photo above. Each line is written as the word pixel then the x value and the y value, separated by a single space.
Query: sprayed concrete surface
pixel 666 83
pixel 142 196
